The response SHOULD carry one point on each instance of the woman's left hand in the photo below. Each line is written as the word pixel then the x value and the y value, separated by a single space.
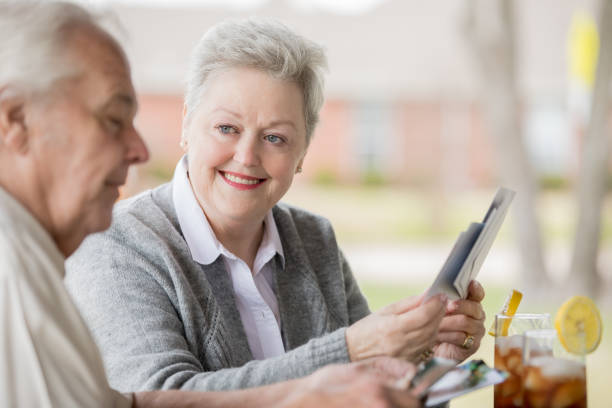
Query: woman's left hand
pixel 462 329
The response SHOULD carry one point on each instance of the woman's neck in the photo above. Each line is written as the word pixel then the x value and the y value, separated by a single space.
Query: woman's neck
pixel 241 239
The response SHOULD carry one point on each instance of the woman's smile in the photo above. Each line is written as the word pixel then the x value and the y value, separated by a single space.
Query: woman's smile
pixel 241 181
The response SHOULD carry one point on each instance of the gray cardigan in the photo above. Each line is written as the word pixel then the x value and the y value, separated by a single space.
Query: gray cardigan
pixel 163 321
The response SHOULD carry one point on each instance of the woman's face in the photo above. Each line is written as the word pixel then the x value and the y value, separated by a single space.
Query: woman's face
pixel 244 141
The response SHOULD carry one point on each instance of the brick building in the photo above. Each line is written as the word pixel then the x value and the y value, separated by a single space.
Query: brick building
pixel 402 92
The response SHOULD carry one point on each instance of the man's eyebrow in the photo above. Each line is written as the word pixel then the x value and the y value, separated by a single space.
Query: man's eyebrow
pixel 125 99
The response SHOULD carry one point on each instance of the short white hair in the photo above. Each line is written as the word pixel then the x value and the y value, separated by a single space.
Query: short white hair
pixel 266 45
pixel 32 40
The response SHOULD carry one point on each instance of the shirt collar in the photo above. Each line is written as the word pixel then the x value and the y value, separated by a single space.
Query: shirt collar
pixel 204 246
pixel 14 215
pixel 270 243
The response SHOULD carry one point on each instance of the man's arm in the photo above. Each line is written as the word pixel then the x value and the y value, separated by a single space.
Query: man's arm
pixel 270 396
pixel 358 385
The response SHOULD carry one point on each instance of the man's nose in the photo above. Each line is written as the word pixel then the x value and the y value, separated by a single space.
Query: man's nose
pixel 137 151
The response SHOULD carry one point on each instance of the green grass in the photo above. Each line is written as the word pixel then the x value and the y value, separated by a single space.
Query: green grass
pixel 598 363
pixel 398 214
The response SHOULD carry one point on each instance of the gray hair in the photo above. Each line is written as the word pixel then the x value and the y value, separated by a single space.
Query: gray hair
pixel 32 35
pixel 262 44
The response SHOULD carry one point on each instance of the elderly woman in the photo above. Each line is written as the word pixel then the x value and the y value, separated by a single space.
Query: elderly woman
pixel 210 283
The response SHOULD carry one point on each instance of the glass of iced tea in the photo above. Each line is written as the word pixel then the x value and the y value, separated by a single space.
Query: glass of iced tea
pixel 553 377
pixel 509 332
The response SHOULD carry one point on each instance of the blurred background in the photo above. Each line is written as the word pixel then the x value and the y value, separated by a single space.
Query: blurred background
pixel 430 106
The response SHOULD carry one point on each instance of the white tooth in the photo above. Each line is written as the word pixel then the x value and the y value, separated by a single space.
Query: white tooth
pixel 236 179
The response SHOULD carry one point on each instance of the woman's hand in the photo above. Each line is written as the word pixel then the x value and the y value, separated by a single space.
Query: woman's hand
pixel 403 329
pixel 462 329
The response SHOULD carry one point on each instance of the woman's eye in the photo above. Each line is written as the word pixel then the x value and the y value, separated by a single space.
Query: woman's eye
pixel 225 129
pixel 273 139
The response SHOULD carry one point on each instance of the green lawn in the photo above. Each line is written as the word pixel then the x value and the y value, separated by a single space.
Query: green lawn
pixel 598 363
pixel 400 214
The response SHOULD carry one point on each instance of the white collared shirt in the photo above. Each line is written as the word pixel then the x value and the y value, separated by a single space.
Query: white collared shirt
pixel 255 297
pixel 48 357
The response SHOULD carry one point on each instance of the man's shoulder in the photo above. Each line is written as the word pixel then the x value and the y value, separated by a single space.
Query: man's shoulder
pixel 9 249
pixel 21 249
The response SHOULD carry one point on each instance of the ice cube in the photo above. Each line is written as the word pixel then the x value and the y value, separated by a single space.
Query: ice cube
pixel 505 344
pixel 558 367
pixel 569 393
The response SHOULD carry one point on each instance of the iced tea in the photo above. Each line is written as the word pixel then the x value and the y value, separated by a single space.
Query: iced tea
pixel 552 382
pixel 509 355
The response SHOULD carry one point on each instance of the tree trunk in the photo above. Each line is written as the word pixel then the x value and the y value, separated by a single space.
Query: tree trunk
pixel 592 180
pixel 490 31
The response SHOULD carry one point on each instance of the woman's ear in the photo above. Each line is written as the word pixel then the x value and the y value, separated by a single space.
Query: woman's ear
pixel 183 142
pixel 13 130
pixel 298 169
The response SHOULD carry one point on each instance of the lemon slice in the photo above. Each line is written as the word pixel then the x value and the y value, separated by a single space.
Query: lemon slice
pixel 508 309
pixel 578 325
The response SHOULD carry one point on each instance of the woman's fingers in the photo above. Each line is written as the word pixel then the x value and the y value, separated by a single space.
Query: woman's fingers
pixel 466 307
pixel 475 291
pixel 421 328
pixel 404 305
pixel 428 314
pixel 464 319
pixel 456 337
pixel 462 323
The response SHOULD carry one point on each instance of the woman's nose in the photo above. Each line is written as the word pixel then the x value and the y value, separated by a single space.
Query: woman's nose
pixel 247 151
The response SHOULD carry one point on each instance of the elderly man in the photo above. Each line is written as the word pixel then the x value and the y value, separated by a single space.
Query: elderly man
pixel 66 141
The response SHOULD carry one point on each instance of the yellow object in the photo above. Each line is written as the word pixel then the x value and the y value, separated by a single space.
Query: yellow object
pixel 509 309
pixel 583 48
pixel 578 325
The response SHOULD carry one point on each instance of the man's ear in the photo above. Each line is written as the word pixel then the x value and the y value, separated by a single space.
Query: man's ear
pixel 13 131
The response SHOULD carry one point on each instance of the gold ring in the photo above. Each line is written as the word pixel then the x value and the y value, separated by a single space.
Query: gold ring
pixel 468 342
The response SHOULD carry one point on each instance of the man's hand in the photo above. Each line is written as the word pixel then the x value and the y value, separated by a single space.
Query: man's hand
pixel 366 384
pixel 358 385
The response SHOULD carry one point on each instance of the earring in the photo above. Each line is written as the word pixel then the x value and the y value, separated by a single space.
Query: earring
pixel 299 169
pixel 183 143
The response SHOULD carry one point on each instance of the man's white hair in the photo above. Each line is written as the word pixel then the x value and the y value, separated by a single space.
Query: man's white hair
pixel 32 42
pixel 266 45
